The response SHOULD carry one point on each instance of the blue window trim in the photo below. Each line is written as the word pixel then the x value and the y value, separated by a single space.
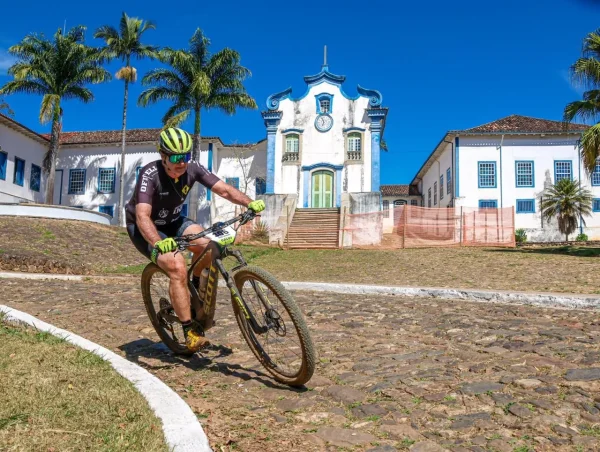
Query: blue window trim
pixel 3 165
pixel 109 207
pixel 563 161
pixel 232 179
pixel 495 201
pixel 448 181
pixel 321 96
pixel 112 188
pixel 495 174
pixel 596 205
pixel 517 173
pixel 292 130
pixel 518 210
pixel 39 181
pixel 353 129
pixel 137 173
pixel 261 183
pixel 16 171
pixel 84 179
pixel 596 173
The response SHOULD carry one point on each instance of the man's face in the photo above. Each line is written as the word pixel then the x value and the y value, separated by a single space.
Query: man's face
pixel 174 170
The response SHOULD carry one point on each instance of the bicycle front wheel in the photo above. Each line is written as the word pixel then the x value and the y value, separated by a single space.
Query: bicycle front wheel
pixel 285 347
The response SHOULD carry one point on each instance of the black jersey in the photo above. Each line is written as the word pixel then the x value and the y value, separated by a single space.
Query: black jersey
pixel 164 194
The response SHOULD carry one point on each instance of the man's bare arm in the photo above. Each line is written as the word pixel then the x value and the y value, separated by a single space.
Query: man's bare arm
pixel 231 194
pixel 145 223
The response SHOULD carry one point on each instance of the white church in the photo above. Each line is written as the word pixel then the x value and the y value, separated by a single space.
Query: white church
pixel 319 160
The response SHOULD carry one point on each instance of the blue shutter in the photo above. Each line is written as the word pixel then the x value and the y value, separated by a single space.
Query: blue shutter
pixel 3 158
pixel 35 178
pixel 19 171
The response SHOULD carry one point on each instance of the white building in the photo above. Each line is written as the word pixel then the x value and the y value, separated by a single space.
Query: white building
pixel 507 163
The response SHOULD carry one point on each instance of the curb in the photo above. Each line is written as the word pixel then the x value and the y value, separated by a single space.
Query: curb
pixel 183 432
pixel 534 299
pixel 547 300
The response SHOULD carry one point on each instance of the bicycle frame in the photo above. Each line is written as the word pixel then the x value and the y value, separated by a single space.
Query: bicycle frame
pixel 203 311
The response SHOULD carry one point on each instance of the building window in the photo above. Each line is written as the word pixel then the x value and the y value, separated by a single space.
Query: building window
pixel 108 210
pixel 562 170
pixel 488 203
pixel 448 181
pixel 487 174
pixel 292 143
pixel 76 181
pixel 596 205
pixel 525 205
pixel 596 174
pixel 441 187
pixel 233 181
pixel 3 159
pixel 261 186
pixel 106 180
pixel 414 202
pixel 354 142
pixel 137 173
pixel 435 193
pixel 35 177
pixel 429 197
pixel 399 202
pixel 324 103
pixel 184 210
pixel 386 209
pixel 19 175
pixel 524 174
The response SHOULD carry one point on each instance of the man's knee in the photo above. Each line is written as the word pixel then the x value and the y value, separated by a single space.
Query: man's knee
pixel 174 265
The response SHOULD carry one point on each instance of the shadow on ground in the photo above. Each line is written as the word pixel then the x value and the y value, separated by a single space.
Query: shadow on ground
pixel 575 251
pixel 145 348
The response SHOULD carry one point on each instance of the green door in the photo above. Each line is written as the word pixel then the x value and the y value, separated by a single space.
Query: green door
pixel 322 189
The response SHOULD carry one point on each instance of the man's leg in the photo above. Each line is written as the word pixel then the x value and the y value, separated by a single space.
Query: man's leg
pixel 175 267
pixel 198 248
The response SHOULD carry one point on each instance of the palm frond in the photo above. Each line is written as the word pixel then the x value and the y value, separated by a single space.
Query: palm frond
pixel 156 94
pixel 176 120
pixel 127 73
pixel 50 104
pixel 590 148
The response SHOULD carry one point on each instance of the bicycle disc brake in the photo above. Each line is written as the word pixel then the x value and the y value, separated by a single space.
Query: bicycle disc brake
pixel 165 308
pixel 274 321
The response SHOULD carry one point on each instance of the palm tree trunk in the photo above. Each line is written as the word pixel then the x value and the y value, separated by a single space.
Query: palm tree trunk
pixel 193 211
pixel 122 171
pixel 53 153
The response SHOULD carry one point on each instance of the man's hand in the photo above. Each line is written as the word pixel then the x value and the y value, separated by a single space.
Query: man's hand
pixel 257 206
pixel 163 246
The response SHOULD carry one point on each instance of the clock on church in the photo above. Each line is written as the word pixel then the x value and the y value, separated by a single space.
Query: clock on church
pixel 323 122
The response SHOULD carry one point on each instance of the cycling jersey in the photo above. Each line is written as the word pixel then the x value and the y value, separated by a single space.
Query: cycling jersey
pixel 164 194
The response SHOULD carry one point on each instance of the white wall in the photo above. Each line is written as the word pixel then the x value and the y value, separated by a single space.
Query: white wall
pixel 16 144
pixel 439 167
pixel 388 215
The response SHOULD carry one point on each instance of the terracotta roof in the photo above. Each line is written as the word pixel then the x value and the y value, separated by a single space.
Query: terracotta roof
pixel 399 190
pixel 525 124
pixel 21 128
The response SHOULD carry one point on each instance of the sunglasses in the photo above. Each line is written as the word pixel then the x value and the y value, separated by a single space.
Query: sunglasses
pixel 179 158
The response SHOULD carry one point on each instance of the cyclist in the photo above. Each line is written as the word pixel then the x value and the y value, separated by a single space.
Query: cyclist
pixel 153 218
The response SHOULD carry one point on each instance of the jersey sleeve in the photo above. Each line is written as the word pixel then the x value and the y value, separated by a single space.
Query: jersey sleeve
pixel 200 174
pixel 147 185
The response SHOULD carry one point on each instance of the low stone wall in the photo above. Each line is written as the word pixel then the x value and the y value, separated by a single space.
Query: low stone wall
pixel 31 264
pixel 52 211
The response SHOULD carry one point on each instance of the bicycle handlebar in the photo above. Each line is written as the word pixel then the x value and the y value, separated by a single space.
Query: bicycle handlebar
pixel 184 240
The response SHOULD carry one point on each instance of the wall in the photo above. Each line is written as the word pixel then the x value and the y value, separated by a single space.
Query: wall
pixel 439 167
pixel 388 215
pixel 47 211
pixel 17 144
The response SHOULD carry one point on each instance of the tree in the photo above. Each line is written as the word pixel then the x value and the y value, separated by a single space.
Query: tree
pixel 57 69
pixel 567 201
pixel 5 108
pixel 196 80
pixel 586 71
pixel 125 44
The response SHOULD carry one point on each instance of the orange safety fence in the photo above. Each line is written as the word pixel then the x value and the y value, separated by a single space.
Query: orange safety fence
pixel 412 227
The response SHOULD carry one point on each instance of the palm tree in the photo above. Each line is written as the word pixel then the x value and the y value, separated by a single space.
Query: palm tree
pixel 125 44
pixel 567 201
pixel 57 70
pixel 5 108
pixel 197 80
pixel 586 71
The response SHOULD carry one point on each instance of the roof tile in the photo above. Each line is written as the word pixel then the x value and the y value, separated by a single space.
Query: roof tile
pixel 524 124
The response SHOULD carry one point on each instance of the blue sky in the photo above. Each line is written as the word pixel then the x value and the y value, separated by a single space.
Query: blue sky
pixel 439 65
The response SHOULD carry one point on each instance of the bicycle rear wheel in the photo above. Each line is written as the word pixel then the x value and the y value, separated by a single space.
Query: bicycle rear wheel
pixel 155 292
pixel 285 349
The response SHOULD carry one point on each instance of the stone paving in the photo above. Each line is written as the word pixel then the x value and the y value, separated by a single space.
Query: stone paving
pixel 394 373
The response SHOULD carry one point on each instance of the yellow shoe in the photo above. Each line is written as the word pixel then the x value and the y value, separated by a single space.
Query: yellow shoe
pixel 195 341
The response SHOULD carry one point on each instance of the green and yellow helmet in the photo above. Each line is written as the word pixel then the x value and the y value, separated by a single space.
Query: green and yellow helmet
pixel 175 141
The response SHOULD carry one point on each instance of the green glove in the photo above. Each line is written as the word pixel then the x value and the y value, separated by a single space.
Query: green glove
pixel 257 206
pixel 163 246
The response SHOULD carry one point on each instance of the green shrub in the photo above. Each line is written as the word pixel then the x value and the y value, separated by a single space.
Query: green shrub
pixel 520 235
pixel 581 238
pixel 260 232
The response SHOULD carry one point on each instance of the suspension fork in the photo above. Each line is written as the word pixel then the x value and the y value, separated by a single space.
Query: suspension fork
pixel 235 294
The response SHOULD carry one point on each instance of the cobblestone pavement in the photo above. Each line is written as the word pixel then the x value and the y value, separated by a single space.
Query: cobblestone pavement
pixel 393 373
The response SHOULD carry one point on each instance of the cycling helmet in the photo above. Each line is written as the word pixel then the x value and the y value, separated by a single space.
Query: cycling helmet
pixel 175 141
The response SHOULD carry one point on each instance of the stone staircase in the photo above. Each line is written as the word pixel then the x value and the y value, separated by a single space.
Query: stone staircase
pixel 314 229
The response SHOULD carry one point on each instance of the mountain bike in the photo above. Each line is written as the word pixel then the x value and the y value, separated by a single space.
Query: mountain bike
pixel 265 310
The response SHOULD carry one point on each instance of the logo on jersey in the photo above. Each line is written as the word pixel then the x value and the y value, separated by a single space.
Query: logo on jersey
pixel 160 222
pixel 185 190
pixel 163 213
pixel 177 209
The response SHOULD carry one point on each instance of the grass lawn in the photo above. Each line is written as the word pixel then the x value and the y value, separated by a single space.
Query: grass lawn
pixel 57 397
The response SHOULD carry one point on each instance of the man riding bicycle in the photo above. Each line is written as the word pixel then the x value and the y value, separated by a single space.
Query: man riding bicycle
pixel 153 218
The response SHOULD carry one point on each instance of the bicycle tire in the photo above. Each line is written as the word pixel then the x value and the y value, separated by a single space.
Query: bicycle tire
pixel 174 346
pixel 307 368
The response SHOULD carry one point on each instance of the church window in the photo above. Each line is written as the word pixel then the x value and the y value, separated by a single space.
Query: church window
pixel 354 144
pixel 292 143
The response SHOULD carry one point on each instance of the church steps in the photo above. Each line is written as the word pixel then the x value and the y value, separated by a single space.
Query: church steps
pixel 314 229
